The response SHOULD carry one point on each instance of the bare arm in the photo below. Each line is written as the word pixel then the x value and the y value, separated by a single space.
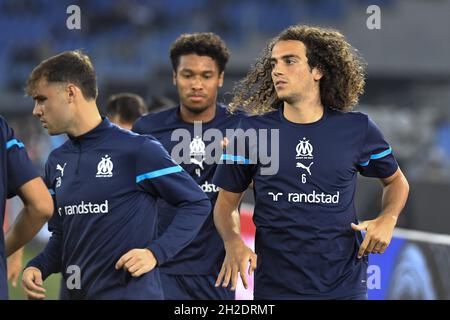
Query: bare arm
pixel 38 208
pixel 226 223
pixel 238 255
pixel 380 230
pixel 395 194
pixel 15 266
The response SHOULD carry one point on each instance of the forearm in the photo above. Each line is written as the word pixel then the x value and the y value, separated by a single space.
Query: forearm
pixel 50 259
pixel 379 231
pixel 25 227
pixel 226 217
pixel 395 195
pixel 238 255
pixel 17 256
pixel 38 208
pixel 228 227
pixel 184 227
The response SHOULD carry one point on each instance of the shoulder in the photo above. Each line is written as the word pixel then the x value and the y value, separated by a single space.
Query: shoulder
pixel 223 115
pixel 133 145
pixel 127 138
pixel 3 122
pixel 352 115
pixel 59 151
pixel 350 118
pixel 5 128
pixel 260 121
pixel 152 119
pixel 56 154
pixel 155 116
pixel 134 140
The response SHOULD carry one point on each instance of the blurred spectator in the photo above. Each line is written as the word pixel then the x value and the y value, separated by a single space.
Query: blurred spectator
pixel 125 108
pixel 443 140
pixel 161 103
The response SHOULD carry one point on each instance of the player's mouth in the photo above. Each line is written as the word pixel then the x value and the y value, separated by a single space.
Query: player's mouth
pixel 196 97
pixel 280 84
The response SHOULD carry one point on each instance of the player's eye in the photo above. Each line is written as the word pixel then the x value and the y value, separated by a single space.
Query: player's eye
pixel 290 61
pixel 40 99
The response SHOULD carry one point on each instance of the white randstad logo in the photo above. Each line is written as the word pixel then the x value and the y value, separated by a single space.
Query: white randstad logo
pixel 197 153
pixel 304 150
pixel 59 179
pixel 307 168
pixel 105 167
pixel 275 196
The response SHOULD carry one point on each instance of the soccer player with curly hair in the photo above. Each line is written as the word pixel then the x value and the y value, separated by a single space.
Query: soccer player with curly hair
pixel 308 242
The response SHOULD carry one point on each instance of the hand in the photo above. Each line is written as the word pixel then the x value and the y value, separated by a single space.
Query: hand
pixel 32 283
pixel 224 143
pixel 15 266
pixel 378 235
pixel 236 260
pixel 137 262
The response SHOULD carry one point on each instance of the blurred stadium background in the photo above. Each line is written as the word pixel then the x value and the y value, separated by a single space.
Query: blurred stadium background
pixel 407 94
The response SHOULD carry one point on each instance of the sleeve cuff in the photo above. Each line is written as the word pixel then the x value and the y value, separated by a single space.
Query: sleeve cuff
pixel 158 252
pixel 35 264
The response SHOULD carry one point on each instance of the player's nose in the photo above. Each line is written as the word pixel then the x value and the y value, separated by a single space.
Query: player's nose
pixel 37 110
pixel 197 84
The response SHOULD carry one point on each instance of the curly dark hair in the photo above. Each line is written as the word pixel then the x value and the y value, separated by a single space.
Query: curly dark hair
pixel 343 71
pixel 69 66
pixel 203 44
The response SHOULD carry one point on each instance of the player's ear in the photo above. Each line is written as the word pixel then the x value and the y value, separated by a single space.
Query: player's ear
pixel 317 73
pixel 221 76
pixel 174 78
pixel 71 91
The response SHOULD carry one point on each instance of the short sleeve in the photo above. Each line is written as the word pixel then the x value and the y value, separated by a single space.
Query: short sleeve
pixel 377 157
pixel 238 162
pixel 19 168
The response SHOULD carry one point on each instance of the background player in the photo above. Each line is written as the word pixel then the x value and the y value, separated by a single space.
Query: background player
pixel 125 108
pixel 198 62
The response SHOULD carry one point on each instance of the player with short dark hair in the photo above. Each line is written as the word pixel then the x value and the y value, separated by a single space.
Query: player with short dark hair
pixel 105 183
pixel 308 242
pixel 198 62
pixel 205 44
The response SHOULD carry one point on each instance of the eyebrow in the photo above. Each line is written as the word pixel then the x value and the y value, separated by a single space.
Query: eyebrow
pixel 192 71
pixel 39 97
pixel 286 56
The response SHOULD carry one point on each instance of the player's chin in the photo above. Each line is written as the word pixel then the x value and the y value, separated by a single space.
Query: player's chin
pixel 196 108
pixel 282 96
pixel 54 132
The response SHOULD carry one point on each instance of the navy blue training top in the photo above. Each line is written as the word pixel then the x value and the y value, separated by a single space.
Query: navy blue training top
pixel 205 253
pixel 105 185
pixel 305 245
pixel 16 169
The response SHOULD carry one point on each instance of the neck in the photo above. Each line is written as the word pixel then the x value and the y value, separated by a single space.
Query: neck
pixel 306 111
pixel 207 115
pixel 87 119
